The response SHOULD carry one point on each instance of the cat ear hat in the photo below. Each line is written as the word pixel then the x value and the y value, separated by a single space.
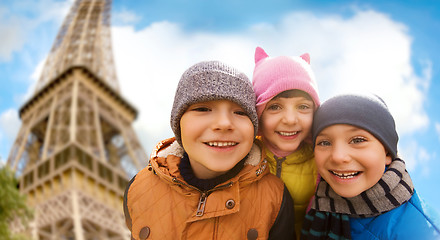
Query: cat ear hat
pixel 274 75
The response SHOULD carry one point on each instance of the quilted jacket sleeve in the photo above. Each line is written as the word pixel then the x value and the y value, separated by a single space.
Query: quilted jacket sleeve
pixel 283 228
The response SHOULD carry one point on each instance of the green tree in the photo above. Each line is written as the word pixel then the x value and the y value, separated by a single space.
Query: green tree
pixel 12 204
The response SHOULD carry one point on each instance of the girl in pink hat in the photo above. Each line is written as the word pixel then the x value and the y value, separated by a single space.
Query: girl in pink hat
pixel 287 97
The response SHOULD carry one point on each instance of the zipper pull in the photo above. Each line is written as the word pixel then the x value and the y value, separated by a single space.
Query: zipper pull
pixel 201 207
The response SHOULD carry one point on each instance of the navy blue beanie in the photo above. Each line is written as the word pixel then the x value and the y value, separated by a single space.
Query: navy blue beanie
pixel 367 112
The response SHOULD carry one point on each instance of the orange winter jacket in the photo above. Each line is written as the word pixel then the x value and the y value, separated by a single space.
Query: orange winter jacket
pixel 159 204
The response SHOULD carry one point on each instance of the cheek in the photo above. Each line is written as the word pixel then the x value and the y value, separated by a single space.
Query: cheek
pixel 320 158
pixel 184 128
pixel 376 169
pixel 187 127
pixel 307 121
pixel 267 122
pixel 247 128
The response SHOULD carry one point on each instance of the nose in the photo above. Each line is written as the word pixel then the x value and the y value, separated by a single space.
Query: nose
pixel 340 154
pixel 290 117
pixel 223 121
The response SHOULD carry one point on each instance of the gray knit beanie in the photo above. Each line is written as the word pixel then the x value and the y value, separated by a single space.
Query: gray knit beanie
pixel 208 81
pixel 367 112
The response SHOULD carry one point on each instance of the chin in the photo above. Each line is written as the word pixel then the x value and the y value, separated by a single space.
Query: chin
pixel 346 194
pixel 288 148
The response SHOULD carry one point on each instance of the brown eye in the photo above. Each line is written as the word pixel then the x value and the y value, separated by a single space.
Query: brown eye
pixel 241 113
pixel 323 143
pixel 274 107
pixel 357 140
pixel 201 109
pixel 304 106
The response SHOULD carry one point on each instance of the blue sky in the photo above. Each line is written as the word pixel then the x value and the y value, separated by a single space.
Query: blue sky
pixel 386 47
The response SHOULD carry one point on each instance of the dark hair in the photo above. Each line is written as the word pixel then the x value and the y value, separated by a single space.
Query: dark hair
pixel 293 93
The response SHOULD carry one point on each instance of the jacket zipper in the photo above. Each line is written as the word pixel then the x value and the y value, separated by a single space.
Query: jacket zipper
pixel 203 195
pixel 201 206
pixel 279 165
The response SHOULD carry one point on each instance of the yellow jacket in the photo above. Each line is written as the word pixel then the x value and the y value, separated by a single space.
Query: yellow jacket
pixel 299 174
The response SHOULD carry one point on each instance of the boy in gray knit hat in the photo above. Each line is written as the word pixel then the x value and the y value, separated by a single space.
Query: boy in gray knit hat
pixel 210 180
pixel 365 190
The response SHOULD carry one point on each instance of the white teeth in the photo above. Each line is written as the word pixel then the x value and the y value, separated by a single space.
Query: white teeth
pixel 221 144
pixel 345 175
pixel 288 133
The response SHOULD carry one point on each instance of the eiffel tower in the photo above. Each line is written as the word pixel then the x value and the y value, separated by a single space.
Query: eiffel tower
pixel 76 148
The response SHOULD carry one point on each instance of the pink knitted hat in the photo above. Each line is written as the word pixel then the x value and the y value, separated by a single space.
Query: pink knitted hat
pixel 278 74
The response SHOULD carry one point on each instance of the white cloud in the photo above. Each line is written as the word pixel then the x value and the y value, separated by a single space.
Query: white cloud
pixel 416 156
pixel 367 51
pixel 33 79
pixel 17 21
pixel 12 35
pixel 9 123
pixel 9 126
pixel 149 64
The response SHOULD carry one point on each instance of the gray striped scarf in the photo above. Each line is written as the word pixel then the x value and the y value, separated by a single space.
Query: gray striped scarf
pixel 393 189
pixel 329 215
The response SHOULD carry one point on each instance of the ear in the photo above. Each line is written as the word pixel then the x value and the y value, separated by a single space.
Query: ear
pixel 306 57
pixel 388 159
pixel 260 54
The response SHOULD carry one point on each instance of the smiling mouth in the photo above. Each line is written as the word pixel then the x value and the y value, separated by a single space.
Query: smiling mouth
pixel 346 175
pixel 221 144
pixel 288 134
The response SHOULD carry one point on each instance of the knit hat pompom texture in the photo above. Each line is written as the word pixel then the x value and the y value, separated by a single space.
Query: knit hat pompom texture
pixel 209 81
pixel 368 112
pixel 274 75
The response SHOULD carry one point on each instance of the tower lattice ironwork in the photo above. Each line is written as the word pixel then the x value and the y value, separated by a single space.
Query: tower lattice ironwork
pixel 76 147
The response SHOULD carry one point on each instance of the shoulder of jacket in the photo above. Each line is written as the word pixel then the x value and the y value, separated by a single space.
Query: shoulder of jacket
pixel 168 147
pixel 268 182
pixel 272 180
pixel 425 210
pixel 413 218
pixel 140 181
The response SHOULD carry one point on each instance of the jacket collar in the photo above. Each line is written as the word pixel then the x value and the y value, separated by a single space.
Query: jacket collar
pixel 302 154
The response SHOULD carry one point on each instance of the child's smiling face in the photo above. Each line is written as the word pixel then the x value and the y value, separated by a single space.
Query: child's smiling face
pixel 286 121
pixel 350 159
pixel 216 135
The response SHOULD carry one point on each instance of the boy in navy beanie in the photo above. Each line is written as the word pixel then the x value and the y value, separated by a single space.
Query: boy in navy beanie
pixel 210 181
pixel 365 191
